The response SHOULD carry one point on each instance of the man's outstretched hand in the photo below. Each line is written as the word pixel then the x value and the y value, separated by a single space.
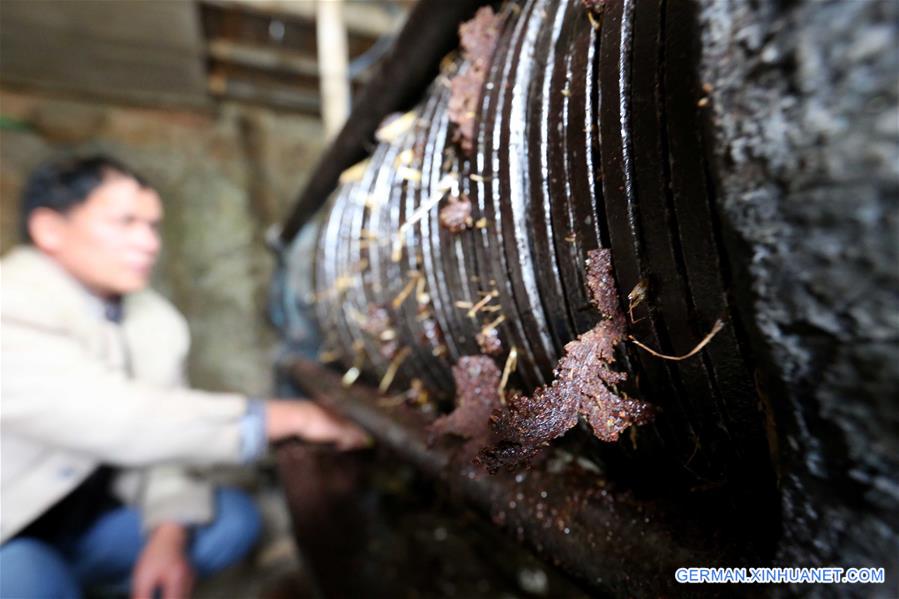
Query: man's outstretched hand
pixel 311 422
pixel 163 565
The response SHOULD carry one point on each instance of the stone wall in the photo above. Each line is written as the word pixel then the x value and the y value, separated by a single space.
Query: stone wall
pixel 805 113
pixel 224 176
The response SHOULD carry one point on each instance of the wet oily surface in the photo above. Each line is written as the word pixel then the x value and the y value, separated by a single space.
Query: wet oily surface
pixel 373 528
pixel 590 126
pixel 477 381
pixel 544 207
pixel 566 507
pixel 585 385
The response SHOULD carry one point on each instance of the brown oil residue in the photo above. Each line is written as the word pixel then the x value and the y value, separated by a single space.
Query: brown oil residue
pixel 478 38
pixel 585 385
pixel 477 397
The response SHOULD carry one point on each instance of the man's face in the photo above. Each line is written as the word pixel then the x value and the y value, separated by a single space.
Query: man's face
pixel 109 242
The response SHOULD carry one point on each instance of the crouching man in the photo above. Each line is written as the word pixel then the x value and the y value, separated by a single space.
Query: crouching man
pixel 98 428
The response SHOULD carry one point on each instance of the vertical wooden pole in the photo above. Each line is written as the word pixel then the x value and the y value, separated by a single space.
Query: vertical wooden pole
pixel 334 80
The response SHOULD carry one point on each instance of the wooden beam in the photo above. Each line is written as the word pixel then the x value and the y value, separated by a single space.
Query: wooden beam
pixel 244 25
pixel 242 91
pixel 262 57
pixel 365 19
pixel 286 81
pixel 332 61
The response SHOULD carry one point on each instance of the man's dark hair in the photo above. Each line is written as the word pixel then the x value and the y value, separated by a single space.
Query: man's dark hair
pixel 61 185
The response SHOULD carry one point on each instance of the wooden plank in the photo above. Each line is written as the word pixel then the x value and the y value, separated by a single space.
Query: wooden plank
pixel 365 19
pixel 249 26
pixel 131 50
pixel 262 58
pixel 331 42
pixel 243 91
pixel 170 24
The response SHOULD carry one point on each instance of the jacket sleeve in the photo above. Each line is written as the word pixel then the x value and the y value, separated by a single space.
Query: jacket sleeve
pixel 54 391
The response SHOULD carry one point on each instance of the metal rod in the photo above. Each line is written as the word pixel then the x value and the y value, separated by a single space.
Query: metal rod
pixel 570 514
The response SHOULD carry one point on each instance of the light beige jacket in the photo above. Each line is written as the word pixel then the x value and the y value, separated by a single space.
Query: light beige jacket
pixel 68 404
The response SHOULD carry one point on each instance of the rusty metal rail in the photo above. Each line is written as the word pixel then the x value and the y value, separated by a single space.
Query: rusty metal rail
pixel 568 511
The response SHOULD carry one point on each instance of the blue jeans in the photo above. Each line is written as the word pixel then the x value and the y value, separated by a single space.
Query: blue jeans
pixel 105 554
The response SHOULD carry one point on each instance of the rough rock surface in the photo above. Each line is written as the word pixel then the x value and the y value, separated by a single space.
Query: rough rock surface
pixel 805 118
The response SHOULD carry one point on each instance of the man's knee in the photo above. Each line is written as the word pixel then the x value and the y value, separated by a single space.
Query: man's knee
pixel 230 536
pixel 239 514
pixel 32 568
